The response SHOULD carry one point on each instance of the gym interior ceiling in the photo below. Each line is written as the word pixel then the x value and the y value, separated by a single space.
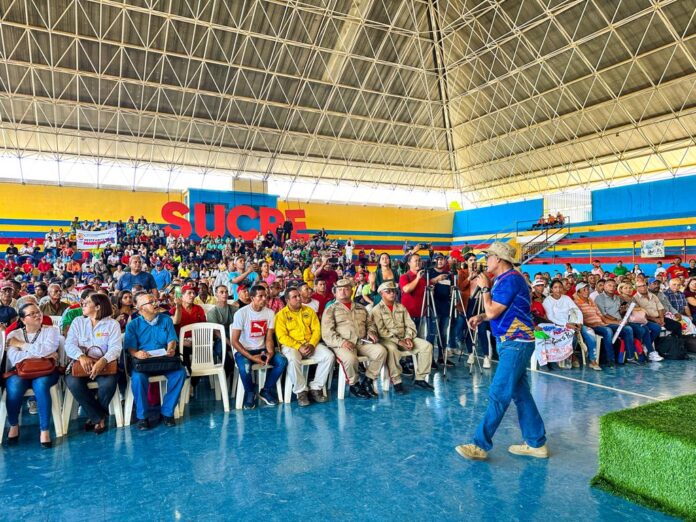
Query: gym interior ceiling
pixel 494 99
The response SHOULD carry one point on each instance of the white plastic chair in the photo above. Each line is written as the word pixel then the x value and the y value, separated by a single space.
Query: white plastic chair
pixel 202 359
pixel 386 379
pixel 128 403
pixel 70 407
pixel 238 385
pixel 56 403
pixel 55 319
pixel 343 378
pixel 306 363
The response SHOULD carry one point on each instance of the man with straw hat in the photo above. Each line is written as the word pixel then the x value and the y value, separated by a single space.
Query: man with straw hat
pixel 507 306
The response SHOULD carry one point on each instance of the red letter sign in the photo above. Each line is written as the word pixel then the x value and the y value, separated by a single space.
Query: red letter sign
pixel 172 213
pixel 233 216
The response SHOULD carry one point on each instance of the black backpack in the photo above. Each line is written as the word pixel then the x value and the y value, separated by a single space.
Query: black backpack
pixel 671 347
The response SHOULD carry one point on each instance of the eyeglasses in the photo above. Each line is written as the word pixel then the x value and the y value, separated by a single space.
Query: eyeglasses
pixel 33 314
pixel 148 303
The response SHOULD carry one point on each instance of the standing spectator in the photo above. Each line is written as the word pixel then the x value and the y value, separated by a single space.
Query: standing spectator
pixel 597 268
pixel 619 269
pixel 659 269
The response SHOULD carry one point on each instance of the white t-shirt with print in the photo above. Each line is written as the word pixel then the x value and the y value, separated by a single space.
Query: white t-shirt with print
pixel 254 326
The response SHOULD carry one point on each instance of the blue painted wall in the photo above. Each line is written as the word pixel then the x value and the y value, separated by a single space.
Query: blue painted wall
pixel 658 199
pixel 229 200
pixel 497 218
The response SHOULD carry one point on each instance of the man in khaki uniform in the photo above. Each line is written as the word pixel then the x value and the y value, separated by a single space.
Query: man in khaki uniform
pixel 397 333
pixel 347 329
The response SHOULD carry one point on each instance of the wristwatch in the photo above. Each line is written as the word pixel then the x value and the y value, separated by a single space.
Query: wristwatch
pixel 485 290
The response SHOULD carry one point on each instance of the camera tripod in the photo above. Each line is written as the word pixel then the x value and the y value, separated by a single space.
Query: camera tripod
pixel 429 313
pixel 456 299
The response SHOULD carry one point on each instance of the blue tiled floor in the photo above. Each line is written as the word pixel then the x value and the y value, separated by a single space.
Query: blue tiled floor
pixel 387 459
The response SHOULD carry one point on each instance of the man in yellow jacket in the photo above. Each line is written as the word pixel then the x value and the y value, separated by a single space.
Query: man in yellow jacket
pixel 299 334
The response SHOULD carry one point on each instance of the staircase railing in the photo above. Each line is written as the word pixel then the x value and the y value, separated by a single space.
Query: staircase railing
pixel 542 241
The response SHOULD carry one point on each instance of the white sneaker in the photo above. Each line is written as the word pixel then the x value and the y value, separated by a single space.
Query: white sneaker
pixel 655 357
pixel 486 362
pixel 471 359
pixel 33 409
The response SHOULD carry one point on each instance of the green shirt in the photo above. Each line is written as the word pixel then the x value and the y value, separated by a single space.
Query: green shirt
pixel 620 270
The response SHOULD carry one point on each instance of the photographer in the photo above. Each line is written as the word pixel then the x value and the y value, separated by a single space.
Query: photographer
pixel 241 275
pixel 325 271
pixel 412 285
pixel 441 281
pixel 473 306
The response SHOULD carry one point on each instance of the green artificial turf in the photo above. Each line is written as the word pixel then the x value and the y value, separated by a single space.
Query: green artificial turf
pixel 648 455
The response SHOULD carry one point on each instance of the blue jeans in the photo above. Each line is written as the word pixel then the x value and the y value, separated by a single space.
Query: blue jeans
pixel 97 408
pixel 510 382
pixel 606 333
pixel 16 388
pixel 590 341
pixel 648 333
pixel 278 363
pixel 627 336
pixel 140 383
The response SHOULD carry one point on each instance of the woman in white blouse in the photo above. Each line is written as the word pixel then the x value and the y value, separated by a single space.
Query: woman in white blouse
pixel 93 341
pixel 31 340
pixel 561 310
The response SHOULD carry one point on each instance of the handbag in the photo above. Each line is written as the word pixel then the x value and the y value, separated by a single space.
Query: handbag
pixel 638 316
pixel 34 368
pixel 77 370
pixel 156 365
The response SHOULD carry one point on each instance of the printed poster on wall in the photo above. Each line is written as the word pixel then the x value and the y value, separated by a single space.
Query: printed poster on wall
pixel 652 248
pixel 88 239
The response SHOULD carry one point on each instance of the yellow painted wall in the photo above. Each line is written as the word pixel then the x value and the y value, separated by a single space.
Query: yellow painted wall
pixel 377 219
pixel 46 202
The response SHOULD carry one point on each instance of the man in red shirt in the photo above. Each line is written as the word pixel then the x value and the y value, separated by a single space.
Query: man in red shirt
pixel 326 272
pixel 27 266
pixel 412 285
pixel 183 314
pixel 676 270
pixel 321 294
pixel 44 266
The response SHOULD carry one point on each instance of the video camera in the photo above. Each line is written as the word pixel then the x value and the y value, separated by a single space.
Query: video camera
pixel 425 246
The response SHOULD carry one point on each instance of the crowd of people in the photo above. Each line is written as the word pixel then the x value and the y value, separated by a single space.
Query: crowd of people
pixel 550 221
pixel 283 300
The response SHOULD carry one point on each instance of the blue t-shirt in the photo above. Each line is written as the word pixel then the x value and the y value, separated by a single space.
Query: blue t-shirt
pixel 248 281
pixel 515 323
pixel 141 335
pixel 128 281
pixel 162 278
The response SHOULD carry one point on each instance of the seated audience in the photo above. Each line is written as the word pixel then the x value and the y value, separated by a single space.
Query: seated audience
pixel 252 338
pixel 397 333
pixel 94 340
pixel 54 306
pixel 561 310
pixel 348 330
pixel 148 332
pixel 31 341
pixel 299 334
